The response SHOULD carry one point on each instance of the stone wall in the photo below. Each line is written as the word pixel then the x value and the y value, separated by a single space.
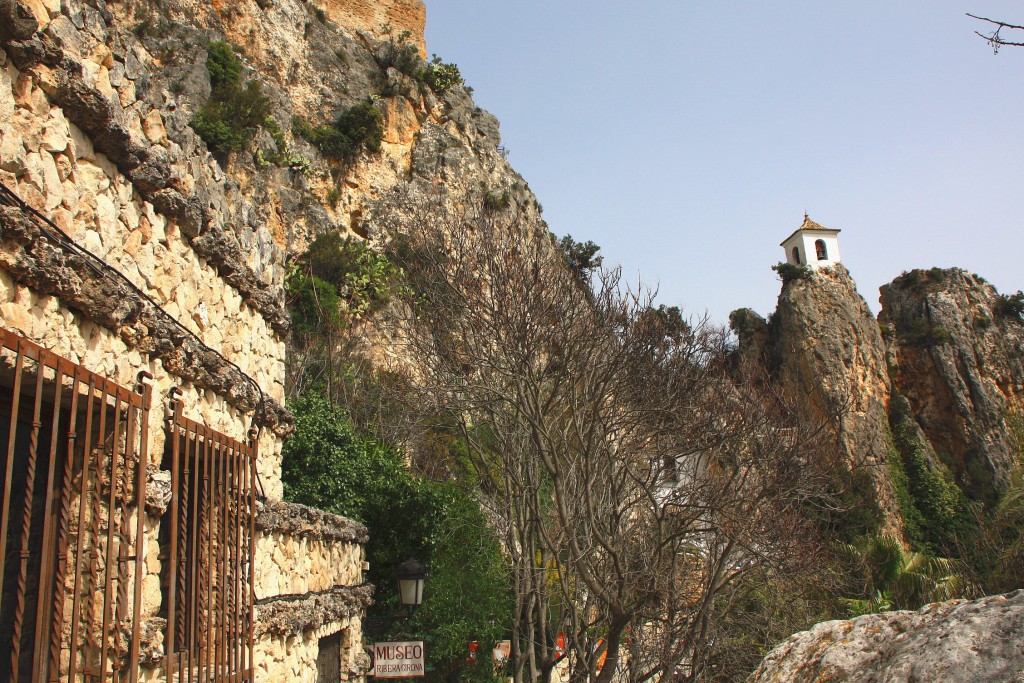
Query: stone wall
pixel 54 167
pixel 134 251
pixel 300 550
pixel 293 658
pixel 309 584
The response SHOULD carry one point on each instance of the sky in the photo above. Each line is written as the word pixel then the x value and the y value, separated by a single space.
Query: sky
pixel 688 138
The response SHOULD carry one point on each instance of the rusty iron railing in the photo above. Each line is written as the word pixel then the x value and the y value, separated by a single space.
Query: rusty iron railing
pixel 210 589
pixel 74 457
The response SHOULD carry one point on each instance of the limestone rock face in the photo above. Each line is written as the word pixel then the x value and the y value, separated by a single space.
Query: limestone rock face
pixel 960 365
pixel 958 641
pixel 825 346
pixel 374 16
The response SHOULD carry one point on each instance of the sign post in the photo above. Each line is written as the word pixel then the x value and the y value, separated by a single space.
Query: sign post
pixel 398 660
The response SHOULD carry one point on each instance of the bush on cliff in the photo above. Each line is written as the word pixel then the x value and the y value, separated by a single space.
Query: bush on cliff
pixel 358 128
pixel 234 111
pixel 789 272
pixel 1010 306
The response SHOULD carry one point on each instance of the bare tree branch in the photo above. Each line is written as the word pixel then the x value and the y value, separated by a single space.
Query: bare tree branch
pixel 995 39
pixel 638 474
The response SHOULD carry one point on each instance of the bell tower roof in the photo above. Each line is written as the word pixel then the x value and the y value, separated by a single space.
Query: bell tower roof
pixel 808 224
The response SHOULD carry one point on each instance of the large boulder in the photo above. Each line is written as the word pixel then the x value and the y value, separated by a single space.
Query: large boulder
pixel 960 640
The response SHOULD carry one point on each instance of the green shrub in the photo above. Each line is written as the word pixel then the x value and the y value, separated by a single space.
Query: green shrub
pixel 358 128
pixel 439 76
pixel 335 278
pixel 581 257
pixel 913 520
pixel 789 272
pixel 942 513
pixel 223 64
pixel 333 196
pixel 494 201
pixel 920 281
pixel 148 27
pixel 314 303
pixel 404 57
pixel 232 114
pixel 1010 307
pixel 922 333
pixel 327 464
pixel 945 515
pixel 228 120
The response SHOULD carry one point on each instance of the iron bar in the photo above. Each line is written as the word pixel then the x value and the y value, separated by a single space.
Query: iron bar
pixel 63 523
pixel 146 391
pixel 212 525
pixel 172 641
pixel 84 495
pixel 112 547
pixel 12 434
pixel 26 520
pixel 47 560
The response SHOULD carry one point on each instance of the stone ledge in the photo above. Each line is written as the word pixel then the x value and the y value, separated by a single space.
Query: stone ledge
pixel 33 260
pixel 293 519
pixel 291 615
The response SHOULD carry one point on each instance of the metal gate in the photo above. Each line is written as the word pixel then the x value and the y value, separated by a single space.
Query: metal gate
pixel 71 537
pixel 211 530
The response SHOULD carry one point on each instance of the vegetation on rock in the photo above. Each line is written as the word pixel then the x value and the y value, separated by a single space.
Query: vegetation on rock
pixel 789 272
pixel 336 282
pixel 940 516
pixel 234 111
pixel 357 129
pixel 1010 306
pixel 889 577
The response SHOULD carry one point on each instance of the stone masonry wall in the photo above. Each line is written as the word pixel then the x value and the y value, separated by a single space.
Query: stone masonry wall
pixel 53 166
pixel 87 143
pixel 301 550
pixel 293 658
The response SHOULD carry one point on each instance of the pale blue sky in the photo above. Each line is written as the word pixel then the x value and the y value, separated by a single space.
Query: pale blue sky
pixel 687 138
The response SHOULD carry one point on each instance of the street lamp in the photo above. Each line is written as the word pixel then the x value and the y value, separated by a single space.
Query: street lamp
pixel 410 582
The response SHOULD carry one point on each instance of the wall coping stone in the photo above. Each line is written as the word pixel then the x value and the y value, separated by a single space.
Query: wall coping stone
pixel 293 519
pixel 291 615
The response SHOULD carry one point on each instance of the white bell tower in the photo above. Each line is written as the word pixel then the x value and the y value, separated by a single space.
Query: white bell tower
pixel 812 245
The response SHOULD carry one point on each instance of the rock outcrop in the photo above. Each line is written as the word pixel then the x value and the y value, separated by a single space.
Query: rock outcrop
pixel 960 641
pixel 958 359
pixel 929 398
pixel 824 345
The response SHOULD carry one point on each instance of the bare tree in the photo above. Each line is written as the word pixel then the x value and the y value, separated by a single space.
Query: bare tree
pixel 635 474
pixel 995 38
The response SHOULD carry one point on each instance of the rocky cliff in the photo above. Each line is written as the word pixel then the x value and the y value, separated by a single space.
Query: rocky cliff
pixel 928 398
pixel 824 345
pixel 957 352
pixel 957 641
pixel 133 75
pixel 134 78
